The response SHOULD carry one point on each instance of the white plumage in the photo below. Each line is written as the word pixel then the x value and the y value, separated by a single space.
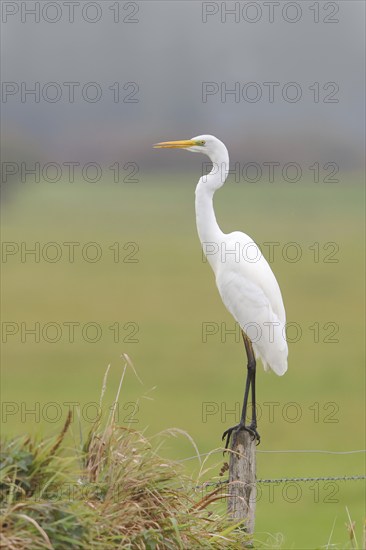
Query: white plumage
pixel 244 279
pixel 251 294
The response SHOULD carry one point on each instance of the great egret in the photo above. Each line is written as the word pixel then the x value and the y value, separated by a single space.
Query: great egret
pixel 244 279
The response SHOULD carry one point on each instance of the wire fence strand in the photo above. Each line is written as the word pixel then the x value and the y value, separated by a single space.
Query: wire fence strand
pixel 288 480
pixel 280 451
pixel 285 479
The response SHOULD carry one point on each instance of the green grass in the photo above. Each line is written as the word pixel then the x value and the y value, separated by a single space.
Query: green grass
pixel 169 293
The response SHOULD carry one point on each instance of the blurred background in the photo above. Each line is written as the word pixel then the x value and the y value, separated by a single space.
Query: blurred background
pixel 100 255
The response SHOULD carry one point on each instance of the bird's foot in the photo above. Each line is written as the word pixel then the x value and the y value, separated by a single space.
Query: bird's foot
pixel 252 429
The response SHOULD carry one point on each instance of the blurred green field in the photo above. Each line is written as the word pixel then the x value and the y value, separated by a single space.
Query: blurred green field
pixel 162 301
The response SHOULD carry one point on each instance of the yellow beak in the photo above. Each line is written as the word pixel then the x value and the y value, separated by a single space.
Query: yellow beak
pixel 183 144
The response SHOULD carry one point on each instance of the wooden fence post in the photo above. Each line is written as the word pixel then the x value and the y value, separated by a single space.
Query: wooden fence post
pixel 242 479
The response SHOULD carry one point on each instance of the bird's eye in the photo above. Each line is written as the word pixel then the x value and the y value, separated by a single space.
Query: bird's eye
pixel 202 142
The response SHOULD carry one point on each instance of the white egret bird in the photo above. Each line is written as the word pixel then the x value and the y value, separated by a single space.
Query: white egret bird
pixel 244 279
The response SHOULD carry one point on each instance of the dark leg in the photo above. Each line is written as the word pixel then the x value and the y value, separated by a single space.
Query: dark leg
pixel 253 425
pixel 250 382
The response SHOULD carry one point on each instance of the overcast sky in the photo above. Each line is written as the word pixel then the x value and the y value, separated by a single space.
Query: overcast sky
pixel 272 79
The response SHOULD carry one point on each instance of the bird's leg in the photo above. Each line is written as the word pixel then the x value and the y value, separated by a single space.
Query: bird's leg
pixel 250 382
pixel 253 425
pixel 252 367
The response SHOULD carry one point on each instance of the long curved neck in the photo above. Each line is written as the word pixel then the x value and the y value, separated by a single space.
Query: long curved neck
pixel 207 226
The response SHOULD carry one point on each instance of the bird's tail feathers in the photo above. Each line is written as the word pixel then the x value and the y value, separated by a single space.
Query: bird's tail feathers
pixel 279 367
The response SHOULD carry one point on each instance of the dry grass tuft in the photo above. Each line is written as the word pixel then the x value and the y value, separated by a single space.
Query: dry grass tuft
pixel 116 493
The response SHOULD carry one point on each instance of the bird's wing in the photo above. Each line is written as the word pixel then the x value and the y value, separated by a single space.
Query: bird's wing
pixel 251 308
pixel 250 263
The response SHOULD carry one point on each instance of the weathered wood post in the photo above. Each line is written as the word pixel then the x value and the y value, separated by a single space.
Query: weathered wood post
pixel 242 479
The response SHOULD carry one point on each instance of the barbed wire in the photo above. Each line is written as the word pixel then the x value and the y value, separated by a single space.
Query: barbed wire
pixel 287 480
pixel 280 451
